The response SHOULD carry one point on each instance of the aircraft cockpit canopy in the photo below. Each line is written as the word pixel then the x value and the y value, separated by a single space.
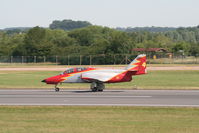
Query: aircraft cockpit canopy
pixel 79 69
pixel 72 70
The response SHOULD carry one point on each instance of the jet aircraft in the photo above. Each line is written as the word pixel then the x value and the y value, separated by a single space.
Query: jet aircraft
pixel 98 76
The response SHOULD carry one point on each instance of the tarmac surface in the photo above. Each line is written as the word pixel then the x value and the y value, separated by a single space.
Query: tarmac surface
pixel 176 98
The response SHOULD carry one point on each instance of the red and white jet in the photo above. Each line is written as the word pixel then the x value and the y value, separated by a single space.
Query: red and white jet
pixel 98 76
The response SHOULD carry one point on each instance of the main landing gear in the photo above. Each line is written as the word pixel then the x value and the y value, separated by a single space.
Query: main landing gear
pixel 56 88
pixel 97 86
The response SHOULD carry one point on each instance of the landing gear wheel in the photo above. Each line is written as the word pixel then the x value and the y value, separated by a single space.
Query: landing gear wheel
pixel 94 89
pixel 100 87
pixel 93 86
pixel 56 89
pixel 96 86
pixel 100 90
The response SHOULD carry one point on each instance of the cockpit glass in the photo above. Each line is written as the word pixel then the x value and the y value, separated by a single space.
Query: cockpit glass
pixel 70 70
pixel 79 69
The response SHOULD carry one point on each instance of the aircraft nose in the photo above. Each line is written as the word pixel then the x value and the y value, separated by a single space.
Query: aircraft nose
pixel 43 80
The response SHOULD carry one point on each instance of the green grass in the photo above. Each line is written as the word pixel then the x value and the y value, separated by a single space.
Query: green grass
pixel 70 119
pixel 152 80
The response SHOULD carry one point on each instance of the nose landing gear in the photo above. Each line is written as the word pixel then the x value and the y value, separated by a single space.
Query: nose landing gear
pixel 56 88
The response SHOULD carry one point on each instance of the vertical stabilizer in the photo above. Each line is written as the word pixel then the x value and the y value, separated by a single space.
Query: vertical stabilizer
pixel 138 65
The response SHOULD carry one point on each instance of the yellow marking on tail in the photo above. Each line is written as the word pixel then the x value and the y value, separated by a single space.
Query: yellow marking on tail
pixel 144 64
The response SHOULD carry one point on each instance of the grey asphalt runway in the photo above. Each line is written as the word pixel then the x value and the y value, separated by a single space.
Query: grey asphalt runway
pixel 178 98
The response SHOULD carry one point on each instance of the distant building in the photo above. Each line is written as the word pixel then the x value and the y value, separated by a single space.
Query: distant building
pixel 152 52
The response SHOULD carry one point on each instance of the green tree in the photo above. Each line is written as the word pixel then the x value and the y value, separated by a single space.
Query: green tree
pixel 68 24
pixel 36 44
pixel 9 43
pixel 120 43
pixel 181 47
pixel 194 49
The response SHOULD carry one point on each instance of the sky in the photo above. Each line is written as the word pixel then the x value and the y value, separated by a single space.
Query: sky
pixel 111 13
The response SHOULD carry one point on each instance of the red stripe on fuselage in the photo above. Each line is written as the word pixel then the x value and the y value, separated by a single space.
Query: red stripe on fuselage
pixel 59 78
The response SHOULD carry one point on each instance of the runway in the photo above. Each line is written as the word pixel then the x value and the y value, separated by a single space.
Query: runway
pixel 176 98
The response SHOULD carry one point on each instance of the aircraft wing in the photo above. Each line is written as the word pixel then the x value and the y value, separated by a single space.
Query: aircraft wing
pixel 99 76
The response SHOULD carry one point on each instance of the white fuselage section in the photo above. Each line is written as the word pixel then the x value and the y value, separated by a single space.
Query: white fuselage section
pixel 100 74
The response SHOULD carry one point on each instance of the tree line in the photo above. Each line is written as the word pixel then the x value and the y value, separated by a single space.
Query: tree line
pixel 87 39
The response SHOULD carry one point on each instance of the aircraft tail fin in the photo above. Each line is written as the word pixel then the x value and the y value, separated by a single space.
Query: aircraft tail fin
pixel 138 65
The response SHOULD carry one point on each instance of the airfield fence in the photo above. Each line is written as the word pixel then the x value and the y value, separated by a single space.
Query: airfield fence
pixel 114 59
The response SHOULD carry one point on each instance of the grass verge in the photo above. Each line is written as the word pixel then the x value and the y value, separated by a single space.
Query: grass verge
pixel 77 119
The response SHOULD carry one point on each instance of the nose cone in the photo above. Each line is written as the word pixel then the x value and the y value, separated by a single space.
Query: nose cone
pixel 53 80
pixel 43 81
